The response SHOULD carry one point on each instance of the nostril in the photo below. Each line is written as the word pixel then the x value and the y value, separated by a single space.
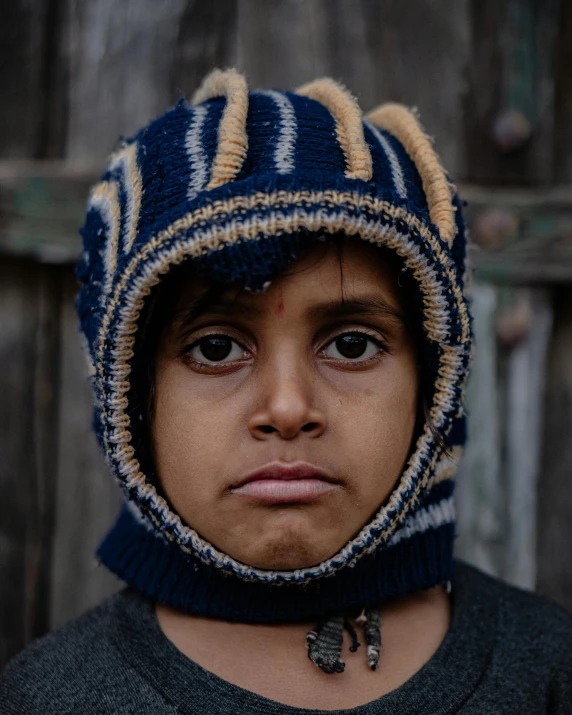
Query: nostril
pixel 267 429
pixel 309 426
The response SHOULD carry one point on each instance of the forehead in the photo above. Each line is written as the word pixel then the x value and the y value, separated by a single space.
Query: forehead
pixel 332 270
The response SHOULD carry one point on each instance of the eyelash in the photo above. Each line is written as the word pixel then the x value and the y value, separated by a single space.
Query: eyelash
pixel 205 366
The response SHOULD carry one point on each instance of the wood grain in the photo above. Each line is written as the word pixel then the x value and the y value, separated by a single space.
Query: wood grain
pixel 29 352
pixel 510 67
pixel 22 83
pixel 419 56
pixel 120 63
pixel 480 496
pixel 283 48
pixel 554 493
pixel 362 43
pixel 206 38
pixel 562 146
pixel 524 404
pixel 499 473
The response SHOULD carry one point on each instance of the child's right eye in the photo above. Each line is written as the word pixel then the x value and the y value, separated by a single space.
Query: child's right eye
pixel 216 348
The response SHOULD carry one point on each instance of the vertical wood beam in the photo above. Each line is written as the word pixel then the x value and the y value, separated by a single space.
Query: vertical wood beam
pixel 479 492
pixel 22 56
pixel 419 53
pixel 525 385
pixel 510 70
pixel 29 370
pixel 206 39
pixel 555 484
pixel 562 153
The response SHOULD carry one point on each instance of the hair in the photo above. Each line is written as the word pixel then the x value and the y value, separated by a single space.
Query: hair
pixel 164 309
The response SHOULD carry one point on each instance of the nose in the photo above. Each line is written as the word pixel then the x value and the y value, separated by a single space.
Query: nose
pixel 287 404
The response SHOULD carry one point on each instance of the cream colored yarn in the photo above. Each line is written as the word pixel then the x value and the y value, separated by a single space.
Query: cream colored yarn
pixel 233 141
pixel 349 127
pixel 401 122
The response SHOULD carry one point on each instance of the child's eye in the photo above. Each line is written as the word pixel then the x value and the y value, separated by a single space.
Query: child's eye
pixel 353 346
pixel 216 348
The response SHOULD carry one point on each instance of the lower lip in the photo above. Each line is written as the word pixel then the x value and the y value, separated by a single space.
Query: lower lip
pixel 285 490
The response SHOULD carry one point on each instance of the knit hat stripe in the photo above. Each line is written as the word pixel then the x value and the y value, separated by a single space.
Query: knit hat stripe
pixel 391 156
pixel 319 150
pixel 232 138
pixel 118 200
pixel 196 154
pixel 166 176
pixel 402 123
pixel 349 128
pixel 124 167
pixel 431 517
pixel 105 200
pixel 286 140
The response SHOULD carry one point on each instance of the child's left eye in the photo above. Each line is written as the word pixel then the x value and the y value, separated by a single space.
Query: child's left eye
pixel 352 346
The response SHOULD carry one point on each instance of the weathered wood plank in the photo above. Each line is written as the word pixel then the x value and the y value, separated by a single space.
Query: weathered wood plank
pixel 42 206
pixel 508 108
pixel 479 493
pixel 563 96
pixel 87 499
pixel 419 56
pixel 55 65
pixel 522 235
pixel 498 476
pixel 361 43
pixel 22 62
pixel 554 486
pixel 121 57
pixel 290 39
pixel 524 415
pixel 349 55
pixel 206 38
pixel 29 345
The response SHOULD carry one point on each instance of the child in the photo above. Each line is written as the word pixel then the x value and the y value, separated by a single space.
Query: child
pixel 274 297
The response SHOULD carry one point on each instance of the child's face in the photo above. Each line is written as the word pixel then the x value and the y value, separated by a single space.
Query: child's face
pixel 291 376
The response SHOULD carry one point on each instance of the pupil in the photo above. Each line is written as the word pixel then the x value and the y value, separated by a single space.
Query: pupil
pixel 351 346
pixel 216 348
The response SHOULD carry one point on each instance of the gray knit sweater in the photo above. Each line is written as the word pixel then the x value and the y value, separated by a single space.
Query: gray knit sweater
pixel 506 651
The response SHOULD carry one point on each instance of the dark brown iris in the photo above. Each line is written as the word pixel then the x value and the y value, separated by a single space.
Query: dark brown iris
pixel 351 346
pixel 215 348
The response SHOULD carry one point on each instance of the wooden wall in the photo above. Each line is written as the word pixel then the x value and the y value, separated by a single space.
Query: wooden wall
pixel 491 81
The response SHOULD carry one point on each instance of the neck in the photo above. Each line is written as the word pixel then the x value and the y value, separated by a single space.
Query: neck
pixel 267 658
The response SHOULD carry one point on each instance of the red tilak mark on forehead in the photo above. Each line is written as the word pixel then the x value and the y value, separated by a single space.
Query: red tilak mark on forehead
pixel 280 306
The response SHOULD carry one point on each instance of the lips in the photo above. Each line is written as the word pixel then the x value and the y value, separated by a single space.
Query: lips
pixel 281 483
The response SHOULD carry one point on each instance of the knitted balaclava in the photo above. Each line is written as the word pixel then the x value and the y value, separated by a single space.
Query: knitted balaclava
pixel 239 183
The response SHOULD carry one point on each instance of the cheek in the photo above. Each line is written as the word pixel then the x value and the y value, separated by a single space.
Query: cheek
pixel 184 423
pixel 377 419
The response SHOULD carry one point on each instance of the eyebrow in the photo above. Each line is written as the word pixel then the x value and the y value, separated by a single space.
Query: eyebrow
pixel 367 305
pixel 364 305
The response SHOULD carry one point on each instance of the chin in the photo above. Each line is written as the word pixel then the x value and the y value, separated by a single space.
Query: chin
pixel 287 551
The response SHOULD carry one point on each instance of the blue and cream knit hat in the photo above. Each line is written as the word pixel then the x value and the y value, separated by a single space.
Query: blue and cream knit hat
pixel 239 183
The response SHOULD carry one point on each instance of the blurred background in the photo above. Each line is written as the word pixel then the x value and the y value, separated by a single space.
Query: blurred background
pixel 492 83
